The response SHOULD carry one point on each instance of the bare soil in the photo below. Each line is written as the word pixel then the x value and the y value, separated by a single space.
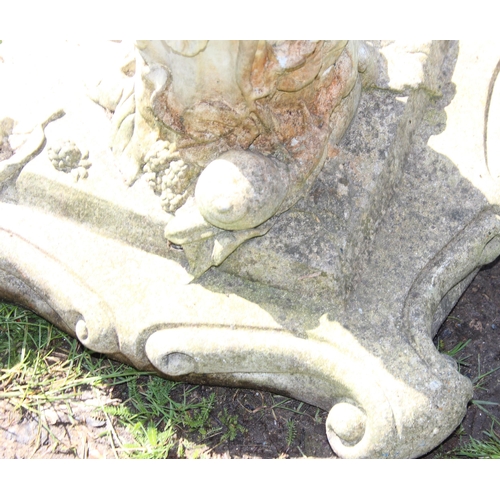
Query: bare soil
pixel 268 426
pixel 476 318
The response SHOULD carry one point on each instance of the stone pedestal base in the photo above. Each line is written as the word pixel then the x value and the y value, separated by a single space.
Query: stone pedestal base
pixel 336 305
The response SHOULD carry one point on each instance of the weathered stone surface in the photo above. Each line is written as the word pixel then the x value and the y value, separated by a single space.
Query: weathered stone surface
pixel 192 104
pixel 240 190
pixel 330 291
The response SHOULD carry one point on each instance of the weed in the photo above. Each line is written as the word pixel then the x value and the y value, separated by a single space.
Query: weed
pixel 317 417
pixel 149 442
pixel 151 407
pixel 198 418
pixel 232 426
pixel 291 432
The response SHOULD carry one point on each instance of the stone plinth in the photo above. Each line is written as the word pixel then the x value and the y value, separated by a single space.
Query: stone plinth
pixel 334 293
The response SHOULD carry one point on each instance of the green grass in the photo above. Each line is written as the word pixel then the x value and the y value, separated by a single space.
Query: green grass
pixel 291 432
pixel 454 351
pixel 42 367
pixel 474 448
pixel 39 366
pixel 478 379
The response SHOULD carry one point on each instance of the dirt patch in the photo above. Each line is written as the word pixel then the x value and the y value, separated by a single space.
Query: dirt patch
pixel 242 424
pixel 271 426
pixel 475 320
pixel 252 423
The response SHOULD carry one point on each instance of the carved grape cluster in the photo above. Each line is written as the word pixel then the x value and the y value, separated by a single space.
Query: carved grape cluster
pixel 168 175
pixel 67 157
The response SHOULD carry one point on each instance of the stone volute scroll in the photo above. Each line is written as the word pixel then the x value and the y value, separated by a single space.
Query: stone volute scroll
pixel 299 216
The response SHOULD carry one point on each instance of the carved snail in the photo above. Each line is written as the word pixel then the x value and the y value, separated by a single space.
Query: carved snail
pixel 230 134
pixel 241 190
